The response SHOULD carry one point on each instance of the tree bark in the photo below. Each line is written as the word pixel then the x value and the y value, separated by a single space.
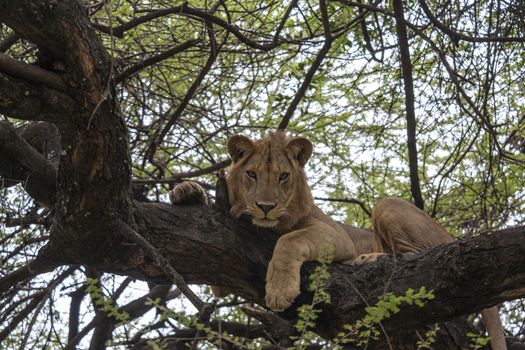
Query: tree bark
pixel 207 247
pixel 93 194
pixel 465 276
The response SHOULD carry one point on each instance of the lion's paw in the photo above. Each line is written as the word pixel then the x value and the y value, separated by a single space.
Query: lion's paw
pixel 366 258
pixel 281 293
pixel 188 192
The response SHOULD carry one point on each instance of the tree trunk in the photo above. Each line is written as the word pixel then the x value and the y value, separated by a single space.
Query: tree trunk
pixel 93 194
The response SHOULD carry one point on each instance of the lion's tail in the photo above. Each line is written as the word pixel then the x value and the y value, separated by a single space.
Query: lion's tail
pixel 492 323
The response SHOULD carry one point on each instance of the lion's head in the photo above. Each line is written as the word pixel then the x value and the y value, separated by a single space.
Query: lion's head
pixel 267 180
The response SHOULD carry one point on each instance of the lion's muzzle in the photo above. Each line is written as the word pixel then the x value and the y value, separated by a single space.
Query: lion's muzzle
pixel 265 206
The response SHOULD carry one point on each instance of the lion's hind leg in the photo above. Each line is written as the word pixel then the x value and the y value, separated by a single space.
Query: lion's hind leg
pixel 404 228
pixel 188 192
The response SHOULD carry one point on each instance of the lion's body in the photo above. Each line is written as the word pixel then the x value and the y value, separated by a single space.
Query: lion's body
pixel 267 182
pixel 365 241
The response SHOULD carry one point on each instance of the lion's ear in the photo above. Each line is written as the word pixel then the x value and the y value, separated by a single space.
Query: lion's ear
pixel 301 148
pixel 239 146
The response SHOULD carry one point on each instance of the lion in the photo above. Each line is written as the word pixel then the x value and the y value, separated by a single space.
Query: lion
pixel 267 182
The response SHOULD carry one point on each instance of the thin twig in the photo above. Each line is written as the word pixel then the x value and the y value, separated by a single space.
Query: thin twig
pixel 174 117
pixel 186 10
pixel 456 36
pixel 312 70
pixel 347 200
pixel 155 59
pixel 178 177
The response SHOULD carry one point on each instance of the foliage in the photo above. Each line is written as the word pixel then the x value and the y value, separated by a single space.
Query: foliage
pixel 104 304
pixel 307 314
pixel 369 327
pixel 363 330
pixel 478 341
pixel 430 338
pixel 468 78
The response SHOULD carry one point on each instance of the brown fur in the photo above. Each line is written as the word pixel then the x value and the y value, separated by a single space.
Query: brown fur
pixel 255 188
pixel 188 192
pixel 268 158
pixel 306 229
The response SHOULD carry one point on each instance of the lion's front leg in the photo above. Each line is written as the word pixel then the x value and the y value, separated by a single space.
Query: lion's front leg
pixel 283 275
pixel 294 248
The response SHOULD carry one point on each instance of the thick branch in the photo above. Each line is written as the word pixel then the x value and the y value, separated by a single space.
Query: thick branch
pixel 207 247
pixel 163 264
pixel 95 160
pixel 62 30
pixel 74 311
pixel 24 100
pixel 31 73
pixel 37 174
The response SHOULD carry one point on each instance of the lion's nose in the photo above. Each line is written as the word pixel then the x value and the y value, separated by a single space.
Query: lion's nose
pixel 266 207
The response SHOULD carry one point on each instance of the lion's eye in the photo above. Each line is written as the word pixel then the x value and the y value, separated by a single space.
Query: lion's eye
pixel 251 174
pixel 283 176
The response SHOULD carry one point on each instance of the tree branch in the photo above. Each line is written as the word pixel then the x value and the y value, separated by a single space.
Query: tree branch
pixel 74 311
pixel 29 72
pixel 456 36
pixel 174 117
pixel 134 309
pixel 184 9
pixel 39 298
pixel 156 59
pixel 173 340
pixel 361 204
pixel 92 155
pixel 162 263
pixel 207 247
pixel 186 175
pixel 63 31
pixel 22 100
pixel 306 82
pixel 406 66
pixel 45 261
pixel 38 175
pixel 8 41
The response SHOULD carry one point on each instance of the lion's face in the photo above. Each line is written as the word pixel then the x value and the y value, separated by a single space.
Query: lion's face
pixel 267 179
